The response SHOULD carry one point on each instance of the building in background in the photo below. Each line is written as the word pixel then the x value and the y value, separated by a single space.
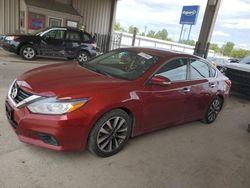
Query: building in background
pixel 25 16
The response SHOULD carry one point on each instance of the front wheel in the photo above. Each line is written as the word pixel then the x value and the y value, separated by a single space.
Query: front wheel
pixel 82 57
pixel 110 133
pixel 28 52
pixel 213 110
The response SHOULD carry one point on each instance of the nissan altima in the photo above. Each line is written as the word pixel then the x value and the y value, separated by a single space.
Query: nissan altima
pixel 102 103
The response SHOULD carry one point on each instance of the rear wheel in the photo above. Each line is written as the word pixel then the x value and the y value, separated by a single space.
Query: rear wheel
pixel 28 52
pixel 82 57
pixel 110 133
pixel 213 110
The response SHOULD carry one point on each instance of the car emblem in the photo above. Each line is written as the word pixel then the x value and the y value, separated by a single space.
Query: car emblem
pixel 14 92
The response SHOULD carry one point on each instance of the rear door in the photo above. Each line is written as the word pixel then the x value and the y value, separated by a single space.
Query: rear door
pixel 73 42
pixel 204 88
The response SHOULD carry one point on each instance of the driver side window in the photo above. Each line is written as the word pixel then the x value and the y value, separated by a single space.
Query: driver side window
pixel 55 34
pixel 51 34
pixel 175 70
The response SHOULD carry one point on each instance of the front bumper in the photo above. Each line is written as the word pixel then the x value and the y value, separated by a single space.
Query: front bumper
pixel 66 132
pixel 10 46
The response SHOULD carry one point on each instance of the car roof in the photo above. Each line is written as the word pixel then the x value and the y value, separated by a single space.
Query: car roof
pixel 68 28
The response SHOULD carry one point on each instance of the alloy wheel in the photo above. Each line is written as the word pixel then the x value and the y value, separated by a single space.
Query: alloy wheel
pixel 112 134
pixel 82 57
pixel 214 110
pixel 29 53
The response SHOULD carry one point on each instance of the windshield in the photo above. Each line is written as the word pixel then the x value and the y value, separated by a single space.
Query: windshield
pixel 245 60
pixel 124 64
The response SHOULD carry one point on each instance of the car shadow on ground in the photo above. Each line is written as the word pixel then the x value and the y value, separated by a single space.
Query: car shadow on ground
pixel 11 57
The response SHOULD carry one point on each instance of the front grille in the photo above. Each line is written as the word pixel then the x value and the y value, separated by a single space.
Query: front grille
pixel 20 94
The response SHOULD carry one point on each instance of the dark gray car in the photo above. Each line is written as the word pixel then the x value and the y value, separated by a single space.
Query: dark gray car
pixel 65 42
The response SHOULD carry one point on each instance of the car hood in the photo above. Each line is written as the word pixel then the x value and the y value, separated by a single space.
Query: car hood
pixel 22 36
pixel 67 80
pixel 239 66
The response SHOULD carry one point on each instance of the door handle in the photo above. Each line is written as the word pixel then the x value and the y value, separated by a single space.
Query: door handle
pixel 212 85
pixel 186 90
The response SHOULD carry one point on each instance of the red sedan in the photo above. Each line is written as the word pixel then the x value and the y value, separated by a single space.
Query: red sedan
pixel 123 93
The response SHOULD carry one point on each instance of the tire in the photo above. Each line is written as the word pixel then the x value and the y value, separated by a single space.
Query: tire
pixel 213 110
pixel 111 132
pixel 248 128
pixel 82 57
pixel 28 52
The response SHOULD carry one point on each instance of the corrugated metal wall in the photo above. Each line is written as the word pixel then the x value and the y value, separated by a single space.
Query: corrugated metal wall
pixel 9 16
pixel 96 14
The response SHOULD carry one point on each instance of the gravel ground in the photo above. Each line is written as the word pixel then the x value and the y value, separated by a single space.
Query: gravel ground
pixel 193 155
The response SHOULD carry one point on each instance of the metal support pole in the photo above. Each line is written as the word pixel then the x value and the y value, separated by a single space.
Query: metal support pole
pixel 181 33
pixel 202 45
pixel 134 36
pixel 189 33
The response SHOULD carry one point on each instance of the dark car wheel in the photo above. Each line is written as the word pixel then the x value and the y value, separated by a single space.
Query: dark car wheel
pixel 110 133
pixel 213 110
pixel 82 57
pixel 28 52
pixel 248 128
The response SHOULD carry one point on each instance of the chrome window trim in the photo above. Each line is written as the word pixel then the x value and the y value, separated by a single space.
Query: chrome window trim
pixel 25 101
pixel 64 29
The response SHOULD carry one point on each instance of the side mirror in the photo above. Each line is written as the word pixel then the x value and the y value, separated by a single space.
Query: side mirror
pixel 160 81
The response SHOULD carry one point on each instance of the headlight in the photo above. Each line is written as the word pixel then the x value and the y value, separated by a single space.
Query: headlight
pixel 9 38
pixel 56 107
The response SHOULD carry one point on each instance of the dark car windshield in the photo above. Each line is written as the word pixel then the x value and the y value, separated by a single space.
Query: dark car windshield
pixel 124 64
pixel 245 60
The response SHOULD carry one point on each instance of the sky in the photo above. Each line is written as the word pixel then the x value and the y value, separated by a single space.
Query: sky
pixel 233 21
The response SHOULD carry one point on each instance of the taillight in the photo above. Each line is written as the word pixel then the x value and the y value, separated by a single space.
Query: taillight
pixel 93 45
pixel 229 83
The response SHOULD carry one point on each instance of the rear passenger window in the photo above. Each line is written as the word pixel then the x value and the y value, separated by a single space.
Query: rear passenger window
pixel 175 70
pixel 199 70
pixel 86 37
pixel 60 34
pixel 73 36
pixel 213 72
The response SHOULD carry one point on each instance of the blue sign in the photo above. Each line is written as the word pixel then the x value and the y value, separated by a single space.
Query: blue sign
pixel 189 14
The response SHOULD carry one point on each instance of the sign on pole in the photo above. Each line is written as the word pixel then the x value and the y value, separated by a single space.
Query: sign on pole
pixel 189 16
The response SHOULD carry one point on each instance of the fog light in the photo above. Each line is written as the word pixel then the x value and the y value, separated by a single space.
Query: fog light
pixel 48 139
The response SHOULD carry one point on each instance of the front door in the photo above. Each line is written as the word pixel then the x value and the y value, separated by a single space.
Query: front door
pixel 164 105
pixel 52 43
